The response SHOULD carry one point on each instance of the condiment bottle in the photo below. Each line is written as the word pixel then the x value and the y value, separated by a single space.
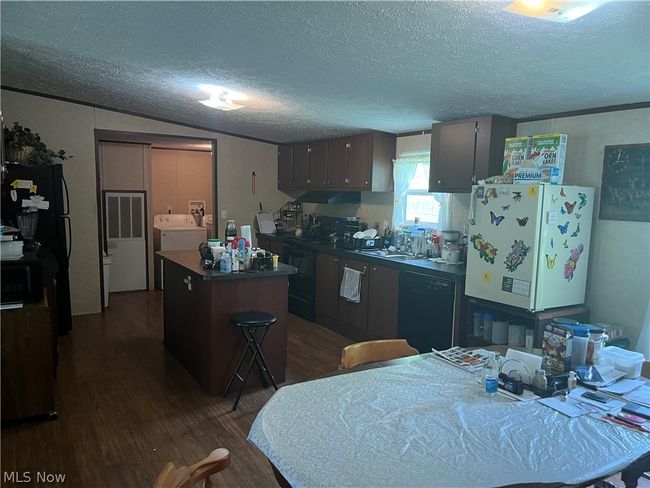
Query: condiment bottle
pixel 539 380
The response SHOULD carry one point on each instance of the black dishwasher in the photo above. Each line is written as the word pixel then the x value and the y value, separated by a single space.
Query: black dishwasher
pixel 426 311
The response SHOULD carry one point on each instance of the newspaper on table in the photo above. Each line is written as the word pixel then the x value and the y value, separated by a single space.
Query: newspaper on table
pixel 471 360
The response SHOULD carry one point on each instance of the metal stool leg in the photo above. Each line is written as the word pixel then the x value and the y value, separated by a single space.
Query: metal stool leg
pixel 250 339
pixel 258 351
pixel 241 360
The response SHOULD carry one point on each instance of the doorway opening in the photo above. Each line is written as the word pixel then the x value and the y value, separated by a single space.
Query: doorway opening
pixel 144 182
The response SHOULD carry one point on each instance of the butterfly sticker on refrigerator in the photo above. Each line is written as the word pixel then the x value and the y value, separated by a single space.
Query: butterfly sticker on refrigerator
pixel 553 199
pixel 565 245
pixel 550 261
pixel 516 196
pixel 522 222
pixel 583 200
pixel 569 207
pixel 496 220
pixel 562 194
pixel 563 228
pixel 505 207
pixel 577 231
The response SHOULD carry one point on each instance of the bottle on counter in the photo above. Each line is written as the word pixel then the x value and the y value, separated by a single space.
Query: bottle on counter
pixel 539 380
pixel 491 374
pixel 225 263
pixel 231 231
pixel 234 253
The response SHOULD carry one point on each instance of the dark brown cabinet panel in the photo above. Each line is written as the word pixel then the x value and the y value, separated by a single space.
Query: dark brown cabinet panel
pixel 355 314
pixel 284 167
pixel 383 297
pixel 336 163
pixel 327 285
pixel 300 164
pixel 317 165
pixel 359 162
pixel 464 151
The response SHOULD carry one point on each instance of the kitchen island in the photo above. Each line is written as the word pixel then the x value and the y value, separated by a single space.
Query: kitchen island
pixel 198 304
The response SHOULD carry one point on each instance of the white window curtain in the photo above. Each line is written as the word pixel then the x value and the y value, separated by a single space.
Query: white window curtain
pixel 404 168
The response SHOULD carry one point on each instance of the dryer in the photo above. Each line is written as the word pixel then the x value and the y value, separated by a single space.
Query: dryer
pixel 175 232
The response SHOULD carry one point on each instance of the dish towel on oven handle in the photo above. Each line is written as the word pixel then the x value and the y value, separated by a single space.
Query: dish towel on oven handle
pixel 351 285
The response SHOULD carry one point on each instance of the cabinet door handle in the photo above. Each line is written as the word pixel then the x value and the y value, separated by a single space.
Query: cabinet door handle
pixel 366 183
pixel 308 181
pixel 347 180
pixel 348 145
pixel 440 182
pixel 374 268
pixel 309 149
pixel 336 260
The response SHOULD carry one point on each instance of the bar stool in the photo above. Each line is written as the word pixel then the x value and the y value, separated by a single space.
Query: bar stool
pixel 248 323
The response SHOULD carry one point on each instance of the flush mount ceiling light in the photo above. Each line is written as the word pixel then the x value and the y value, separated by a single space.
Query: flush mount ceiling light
pixel 562 11
pixel 221 98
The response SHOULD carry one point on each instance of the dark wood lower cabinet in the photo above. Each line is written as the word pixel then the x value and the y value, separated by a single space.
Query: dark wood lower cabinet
pixel 271 245
pixel 383 299
pixel 327 285
pixel 349 313
pixel 27 362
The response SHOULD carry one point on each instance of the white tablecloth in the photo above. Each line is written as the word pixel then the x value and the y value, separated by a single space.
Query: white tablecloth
pixel 426 423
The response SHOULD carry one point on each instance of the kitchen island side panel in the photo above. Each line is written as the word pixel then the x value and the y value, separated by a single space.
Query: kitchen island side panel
pixel 198 331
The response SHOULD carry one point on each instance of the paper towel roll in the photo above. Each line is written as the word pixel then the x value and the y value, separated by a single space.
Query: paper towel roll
pixel 245 232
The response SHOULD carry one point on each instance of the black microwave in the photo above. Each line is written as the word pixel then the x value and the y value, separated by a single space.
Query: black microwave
pixel 21 281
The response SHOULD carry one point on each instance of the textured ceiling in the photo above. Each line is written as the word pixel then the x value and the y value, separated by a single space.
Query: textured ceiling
pixel 317 69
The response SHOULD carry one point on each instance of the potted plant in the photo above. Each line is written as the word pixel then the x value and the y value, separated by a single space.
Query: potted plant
pixel 25 147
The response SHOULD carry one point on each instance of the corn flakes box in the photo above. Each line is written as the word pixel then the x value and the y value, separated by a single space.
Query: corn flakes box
pixel 557 347
pixel 549 151
pixel 515 152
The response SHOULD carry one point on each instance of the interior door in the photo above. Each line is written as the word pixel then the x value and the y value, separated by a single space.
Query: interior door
pixel 126 239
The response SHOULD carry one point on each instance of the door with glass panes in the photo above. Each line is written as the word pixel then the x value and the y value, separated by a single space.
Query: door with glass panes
pixel 125 237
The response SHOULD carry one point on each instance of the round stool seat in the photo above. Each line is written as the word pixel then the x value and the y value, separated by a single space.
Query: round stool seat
pixel 253 319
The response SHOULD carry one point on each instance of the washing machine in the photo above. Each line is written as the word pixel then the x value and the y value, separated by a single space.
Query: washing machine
pixel 175 232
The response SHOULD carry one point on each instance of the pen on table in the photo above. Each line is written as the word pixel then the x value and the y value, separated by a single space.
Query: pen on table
pixel 626 423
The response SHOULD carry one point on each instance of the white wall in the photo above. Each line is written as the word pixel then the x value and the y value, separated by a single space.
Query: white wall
pixel 71 126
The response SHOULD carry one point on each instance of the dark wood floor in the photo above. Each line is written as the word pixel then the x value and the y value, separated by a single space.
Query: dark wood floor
pixel 126 406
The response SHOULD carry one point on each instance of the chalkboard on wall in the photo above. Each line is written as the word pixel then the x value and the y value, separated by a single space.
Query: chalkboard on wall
pixel 625 193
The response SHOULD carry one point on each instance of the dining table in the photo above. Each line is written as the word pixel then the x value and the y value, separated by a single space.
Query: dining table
pixel 421 421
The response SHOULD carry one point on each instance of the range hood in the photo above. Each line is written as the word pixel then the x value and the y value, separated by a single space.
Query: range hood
pixel 330 197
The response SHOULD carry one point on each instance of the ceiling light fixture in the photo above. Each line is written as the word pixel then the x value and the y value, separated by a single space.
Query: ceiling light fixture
pixel 562 11
pixel 221 98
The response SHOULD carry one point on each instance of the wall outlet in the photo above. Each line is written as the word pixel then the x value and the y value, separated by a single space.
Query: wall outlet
pixel 169 209
pixel 224 214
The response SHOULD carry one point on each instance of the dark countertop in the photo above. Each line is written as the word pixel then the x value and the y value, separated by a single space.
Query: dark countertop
pixel 191 261
pixel 454 272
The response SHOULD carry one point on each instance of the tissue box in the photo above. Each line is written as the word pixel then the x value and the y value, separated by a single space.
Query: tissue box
pixel 558 347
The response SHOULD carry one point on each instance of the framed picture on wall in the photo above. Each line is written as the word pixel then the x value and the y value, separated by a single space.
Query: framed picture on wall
pixel 625 193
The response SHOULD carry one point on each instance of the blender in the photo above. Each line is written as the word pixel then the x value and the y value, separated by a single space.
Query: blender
pixel 27 221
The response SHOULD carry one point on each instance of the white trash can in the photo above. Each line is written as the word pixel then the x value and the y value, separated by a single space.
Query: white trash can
pixel 107 269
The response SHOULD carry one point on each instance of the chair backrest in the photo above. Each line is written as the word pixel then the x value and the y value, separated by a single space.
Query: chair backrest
pixel 373 351
pixel 187 476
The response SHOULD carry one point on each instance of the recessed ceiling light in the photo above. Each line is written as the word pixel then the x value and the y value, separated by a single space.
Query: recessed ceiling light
pixel 562 11
pixel 222 98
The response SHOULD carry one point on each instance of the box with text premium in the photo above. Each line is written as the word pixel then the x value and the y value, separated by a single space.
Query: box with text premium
pixel 558 347
pixel 549 151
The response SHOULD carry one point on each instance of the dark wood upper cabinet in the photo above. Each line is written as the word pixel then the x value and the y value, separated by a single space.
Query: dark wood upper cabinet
pixel 336 163
pixel 327 285
pixel 464 151
pixel 300 165
pixel 317 165
pixel 362 163
pixel 284 167
pixel 359 161
pixel 383 296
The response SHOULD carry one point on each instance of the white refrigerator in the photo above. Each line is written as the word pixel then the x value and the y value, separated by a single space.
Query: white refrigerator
pixel 529 244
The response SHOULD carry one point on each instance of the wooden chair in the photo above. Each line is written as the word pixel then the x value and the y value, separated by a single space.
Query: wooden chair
pixel 187 476
pixel 373 351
